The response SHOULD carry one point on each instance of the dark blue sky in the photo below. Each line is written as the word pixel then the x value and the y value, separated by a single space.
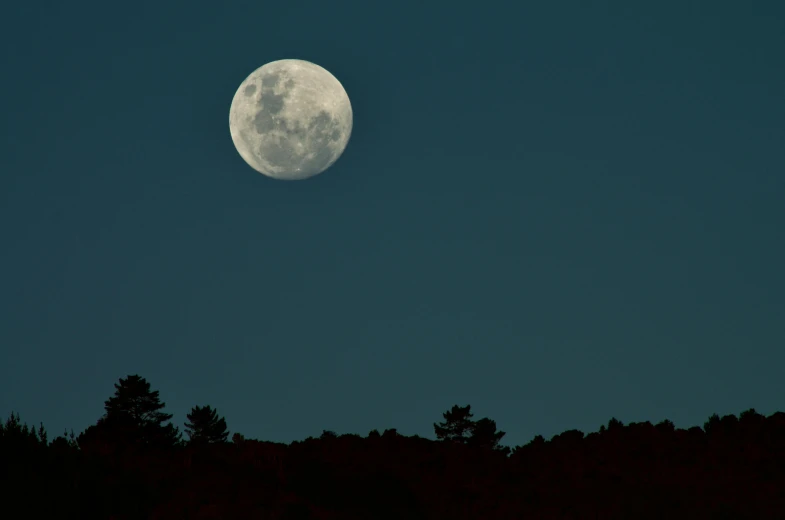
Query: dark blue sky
pixel 556 212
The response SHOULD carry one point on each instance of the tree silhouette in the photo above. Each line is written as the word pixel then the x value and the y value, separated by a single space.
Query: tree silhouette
pixel 638 470
pixel 134 412
pixel 712 423
pixel 666 425
pixel 457 425
pixel 42 435
pixel 66 441
pixel 12 426
pixel 484 435
pixel 15 431
pixel 205 426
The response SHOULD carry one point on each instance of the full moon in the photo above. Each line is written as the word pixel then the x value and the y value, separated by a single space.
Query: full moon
pixel 290 119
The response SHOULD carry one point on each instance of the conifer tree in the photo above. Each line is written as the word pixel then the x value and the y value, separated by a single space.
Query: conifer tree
pixel 484 435
pixel 205 426
pixel 135 410
pixel 457 425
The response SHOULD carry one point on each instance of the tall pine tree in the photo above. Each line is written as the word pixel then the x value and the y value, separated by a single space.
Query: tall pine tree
pixel 205 426
pixel 457 425
pixel 135 410
pixel 485 436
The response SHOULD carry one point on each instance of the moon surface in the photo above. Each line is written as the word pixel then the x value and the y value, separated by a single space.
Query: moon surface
pixel 290 119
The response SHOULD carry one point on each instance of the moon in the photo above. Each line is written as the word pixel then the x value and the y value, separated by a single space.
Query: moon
pixel 290 119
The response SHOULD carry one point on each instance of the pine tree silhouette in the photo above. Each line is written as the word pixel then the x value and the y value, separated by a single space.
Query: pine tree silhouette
pixel 457 425
pixel 204 426
pixel 484 435
pixel 134 412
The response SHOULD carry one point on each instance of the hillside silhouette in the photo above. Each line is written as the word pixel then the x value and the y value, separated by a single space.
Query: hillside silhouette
pixel 135 463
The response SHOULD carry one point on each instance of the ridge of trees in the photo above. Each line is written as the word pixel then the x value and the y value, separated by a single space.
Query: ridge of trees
pixel 134 463
pixel 134 413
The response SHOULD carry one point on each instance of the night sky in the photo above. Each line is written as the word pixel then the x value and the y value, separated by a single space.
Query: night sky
pixel 557 212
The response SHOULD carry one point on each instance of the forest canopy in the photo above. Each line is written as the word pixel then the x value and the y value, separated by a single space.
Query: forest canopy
pixel 134 462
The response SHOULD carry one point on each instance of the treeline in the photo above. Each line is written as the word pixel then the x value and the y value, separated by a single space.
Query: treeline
pixel 134 463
